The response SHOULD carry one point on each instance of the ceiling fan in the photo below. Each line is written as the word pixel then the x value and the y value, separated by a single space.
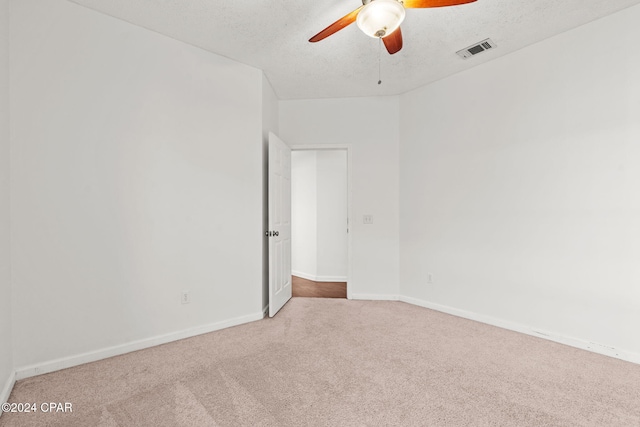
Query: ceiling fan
pixel 382 19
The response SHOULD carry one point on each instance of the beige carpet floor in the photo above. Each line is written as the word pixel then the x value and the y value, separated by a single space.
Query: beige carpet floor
pixel 332 362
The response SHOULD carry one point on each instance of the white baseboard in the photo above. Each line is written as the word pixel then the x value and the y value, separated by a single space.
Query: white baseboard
pixel 6 390
pixel 331 279
pixel 265 311
pixel 375 297
pixel 303 275
pixel 516 327
pixel 68 362
pixel 318 278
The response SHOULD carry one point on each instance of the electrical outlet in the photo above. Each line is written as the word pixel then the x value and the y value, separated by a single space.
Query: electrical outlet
pixel 185 298
pixel 430 278
pixel 367 219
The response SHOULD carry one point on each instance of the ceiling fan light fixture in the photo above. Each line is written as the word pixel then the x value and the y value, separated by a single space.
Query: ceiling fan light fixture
pixel 379 18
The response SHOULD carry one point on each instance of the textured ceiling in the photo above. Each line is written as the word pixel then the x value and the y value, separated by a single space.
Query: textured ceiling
pixel 273 35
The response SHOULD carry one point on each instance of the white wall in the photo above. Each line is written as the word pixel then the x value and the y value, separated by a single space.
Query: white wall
pixel 137 175
pixel 304 214
pixel 269 124
pixel 370 125
pixel 6 347
pixel 319 213
pixel 519 187
pixel 332 215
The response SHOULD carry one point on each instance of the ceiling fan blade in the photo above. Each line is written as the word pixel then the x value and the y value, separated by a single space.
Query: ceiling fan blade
pixel 393 42
pixel 348 19
pixel 418 4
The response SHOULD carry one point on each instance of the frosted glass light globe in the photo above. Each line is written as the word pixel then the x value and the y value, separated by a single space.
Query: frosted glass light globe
pixel 380 17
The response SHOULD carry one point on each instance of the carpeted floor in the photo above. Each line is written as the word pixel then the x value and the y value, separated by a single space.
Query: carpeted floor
pixel 334 362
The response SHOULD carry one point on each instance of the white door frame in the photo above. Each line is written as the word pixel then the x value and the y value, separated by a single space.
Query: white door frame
pixel 347 147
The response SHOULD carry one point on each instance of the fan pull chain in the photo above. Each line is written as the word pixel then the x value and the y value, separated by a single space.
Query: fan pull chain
pixel 379 59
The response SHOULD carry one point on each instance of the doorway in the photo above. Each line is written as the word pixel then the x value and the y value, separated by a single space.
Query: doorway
pixel 320 211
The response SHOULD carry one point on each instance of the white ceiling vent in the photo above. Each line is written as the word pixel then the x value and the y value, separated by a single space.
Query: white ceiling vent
pixel 477 48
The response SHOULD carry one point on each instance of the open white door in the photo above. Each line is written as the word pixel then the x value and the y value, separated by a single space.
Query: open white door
pixel 279 233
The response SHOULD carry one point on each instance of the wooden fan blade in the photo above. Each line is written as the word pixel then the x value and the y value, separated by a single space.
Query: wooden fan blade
pixel 393 42
pixel 336 26
pixel 418 4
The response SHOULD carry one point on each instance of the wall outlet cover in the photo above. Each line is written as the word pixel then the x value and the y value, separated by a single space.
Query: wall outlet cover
pixel 185 298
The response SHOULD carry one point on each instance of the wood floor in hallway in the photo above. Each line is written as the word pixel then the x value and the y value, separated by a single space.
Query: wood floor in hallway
pixel 308 288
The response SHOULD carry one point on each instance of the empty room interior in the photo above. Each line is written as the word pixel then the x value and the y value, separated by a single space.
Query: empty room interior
pixel 491 263
pixel 319 223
